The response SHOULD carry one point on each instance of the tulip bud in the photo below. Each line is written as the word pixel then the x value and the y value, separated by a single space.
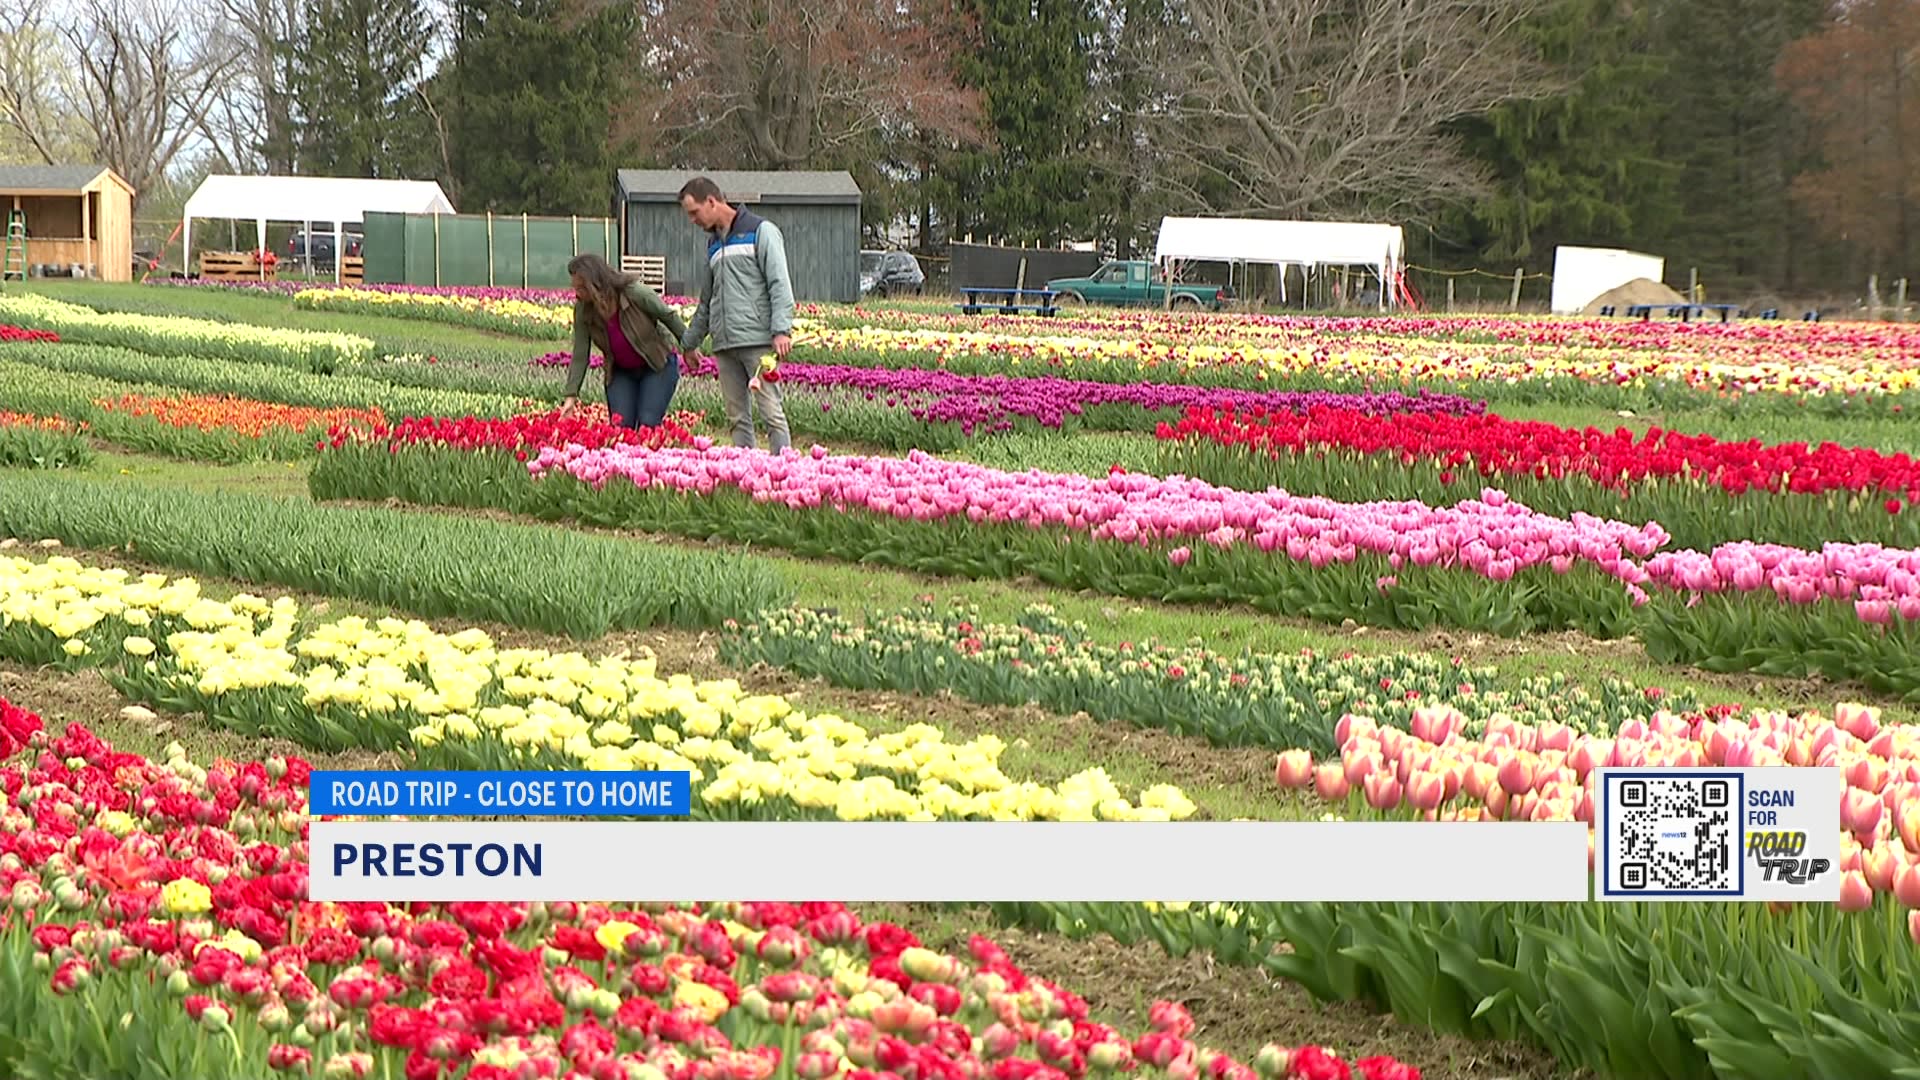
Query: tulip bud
pixel 300 1036
pixel 345 1066
pixel 275 1017
pixel 998 1042
pixel 1109 1056
pixel 179 984
pixel 215 1018
pixel 27 896
pixel 756 1004
pixel 1272 1061
pixel 603 1003
pixel 816 1066
pixel 277 767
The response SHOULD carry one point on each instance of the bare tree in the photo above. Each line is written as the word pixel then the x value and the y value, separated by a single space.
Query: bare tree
pixel 34 113
pixel 145 74
pixel 251 121
pixel 783 85
pixel 1339 106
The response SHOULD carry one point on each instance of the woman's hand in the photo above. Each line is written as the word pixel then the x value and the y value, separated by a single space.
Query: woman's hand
pixel 568 405
pixel 782 345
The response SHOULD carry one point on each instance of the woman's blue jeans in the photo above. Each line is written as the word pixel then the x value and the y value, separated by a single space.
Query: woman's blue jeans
pixel 638 397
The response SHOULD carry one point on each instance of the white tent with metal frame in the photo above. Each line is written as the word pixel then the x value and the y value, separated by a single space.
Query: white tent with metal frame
pixel 1286 243
pixel 324 200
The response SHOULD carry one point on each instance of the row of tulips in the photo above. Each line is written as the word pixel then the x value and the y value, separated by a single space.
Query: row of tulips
pixel 459 701
pixel 989 404
pixel 1845 384
pixel 433 565
pixel 1265 700
pixel 504 315
pixel 549 298
pixel 14 335
pixel 1643 990
pixel 1896 344
pixel 86 372
pixel 1702 490
pixel 1847 610
pixel 172 335
pixel 42 442
pixel 157 922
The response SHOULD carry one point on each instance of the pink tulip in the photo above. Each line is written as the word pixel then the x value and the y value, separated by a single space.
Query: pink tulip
pixel 1855 893
pixel 1906 885
pixel 1878 865
pixel 1426 791
pixel 1516 775
pixel 1293 769
pixel 1382 791
pixel 1330 783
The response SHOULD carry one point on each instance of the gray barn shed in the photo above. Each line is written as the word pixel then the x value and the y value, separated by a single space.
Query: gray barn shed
pixel 818 214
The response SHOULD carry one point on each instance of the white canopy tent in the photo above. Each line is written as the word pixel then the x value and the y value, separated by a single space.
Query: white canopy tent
pixel 1286 243
pixel 325 200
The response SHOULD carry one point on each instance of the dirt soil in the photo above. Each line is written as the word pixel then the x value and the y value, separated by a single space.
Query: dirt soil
pixel 1637 291
pixel 1237 1009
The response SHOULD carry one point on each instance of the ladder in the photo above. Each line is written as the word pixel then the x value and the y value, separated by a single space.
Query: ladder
pixel 16 264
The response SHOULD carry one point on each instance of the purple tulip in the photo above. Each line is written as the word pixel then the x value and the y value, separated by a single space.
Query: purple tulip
pixel 991 403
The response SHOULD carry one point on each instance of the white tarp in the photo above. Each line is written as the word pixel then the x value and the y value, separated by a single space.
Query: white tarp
pixel 325 200
pixel 1284 243
pixel 1581 274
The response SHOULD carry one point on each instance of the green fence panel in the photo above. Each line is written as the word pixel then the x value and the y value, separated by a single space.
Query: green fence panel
pixel 510 253
pixel 422 256
pixel 464 255
pixel 385 248
pixel 475 249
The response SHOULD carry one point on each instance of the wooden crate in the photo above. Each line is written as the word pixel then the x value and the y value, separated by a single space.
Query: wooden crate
pixel 233 266
pixel 651 268
pixel 353 270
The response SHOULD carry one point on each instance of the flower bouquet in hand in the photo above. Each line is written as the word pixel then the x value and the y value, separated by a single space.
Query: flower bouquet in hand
pixel 769 373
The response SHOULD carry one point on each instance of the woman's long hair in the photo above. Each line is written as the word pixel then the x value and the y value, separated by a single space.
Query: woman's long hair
pixel 605 285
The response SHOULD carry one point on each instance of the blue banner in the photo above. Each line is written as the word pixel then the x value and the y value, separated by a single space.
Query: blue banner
pixel 453 793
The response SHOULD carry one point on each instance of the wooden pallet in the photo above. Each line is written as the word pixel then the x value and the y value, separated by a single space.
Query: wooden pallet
pixel 651 268
pixel 233 266
pixel 353 270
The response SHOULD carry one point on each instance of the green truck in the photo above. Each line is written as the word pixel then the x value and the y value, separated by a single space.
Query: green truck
pixel 1135 284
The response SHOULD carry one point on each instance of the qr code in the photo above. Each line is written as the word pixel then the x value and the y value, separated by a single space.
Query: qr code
pixel 1672 834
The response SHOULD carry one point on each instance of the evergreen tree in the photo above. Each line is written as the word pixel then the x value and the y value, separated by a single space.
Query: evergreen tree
pixel 1033 71
pixel 538 88
pixel 352 73
pixel 1579 167
pixel 1736 139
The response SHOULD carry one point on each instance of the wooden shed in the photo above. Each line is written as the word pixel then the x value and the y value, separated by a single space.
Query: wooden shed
pixel 75 214
pixel 818 214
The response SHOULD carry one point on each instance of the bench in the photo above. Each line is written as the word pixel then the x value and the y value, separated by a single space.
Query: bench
pixel 1015 301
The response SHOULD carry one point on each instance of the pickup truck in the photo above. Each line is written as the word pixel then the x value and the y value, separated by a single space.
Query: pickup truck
pixel 1135 283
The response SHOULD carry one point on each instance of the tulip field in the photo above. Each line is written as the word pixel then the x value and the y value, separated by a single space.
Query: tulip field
pixel 1110 566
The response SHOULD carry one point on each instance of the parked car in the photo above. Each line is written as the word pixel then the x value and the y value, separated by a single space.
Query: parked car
pixel 890 273
pixel 322 247
pixel 1136 283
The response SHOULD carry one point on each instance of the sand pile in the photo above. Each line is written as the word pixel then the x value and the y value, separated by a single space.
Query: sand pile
pixel 1637 291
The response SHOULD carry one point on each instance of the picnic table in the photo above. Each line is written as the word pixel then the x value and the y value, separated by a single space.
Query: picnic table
pixel 1685 311
pixel 1013 301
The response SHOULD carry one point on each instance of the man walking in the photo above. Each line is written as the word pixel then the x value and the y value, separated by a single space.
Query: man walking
pixel 747 303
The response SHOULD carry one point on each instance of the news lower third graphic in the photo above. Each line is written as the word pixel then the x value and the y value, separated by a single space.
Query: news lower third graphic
pixel 497 794
pixel 1762 833
pixel 918 861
